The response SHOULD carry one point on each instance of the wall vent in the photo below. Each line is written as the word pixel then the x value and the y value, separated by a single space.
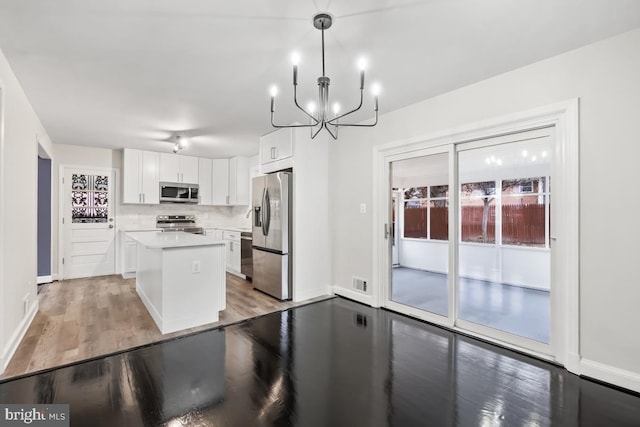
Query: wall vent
pixel 359 284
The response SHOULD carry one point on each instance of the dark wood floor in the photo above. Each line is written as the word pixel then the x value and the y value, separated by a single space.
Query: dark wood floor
pixel 84 318
pixel 331 363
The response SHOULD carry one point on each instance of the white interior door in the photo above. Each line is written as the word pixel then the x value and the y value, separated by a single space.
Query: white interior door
pixel 88 223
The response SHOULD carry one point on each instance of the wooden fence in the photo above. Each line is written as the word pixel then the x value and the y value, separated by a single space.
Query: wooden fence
pixel 521 224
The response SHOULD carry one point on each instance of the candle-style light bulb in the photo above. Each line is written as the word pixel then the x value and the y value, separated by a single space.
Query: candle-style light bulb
pixel 273 91
pixel 375 90
pixel 295 59
pixel 362 64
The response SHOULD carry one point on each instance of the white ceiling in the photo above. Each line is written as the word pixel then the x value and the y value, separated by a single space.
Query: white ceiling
pixel 130 72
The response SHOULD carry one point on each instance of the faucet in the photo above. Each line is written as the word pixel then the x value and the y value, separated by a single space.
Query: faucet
pixel 248 214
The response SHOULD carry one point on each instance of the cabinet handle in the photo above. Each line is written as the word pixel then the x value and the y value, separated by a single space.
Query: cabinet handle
pixel 231 246
pixel 227 200
pixel 142 197
pixel 181 176
pixel 139 197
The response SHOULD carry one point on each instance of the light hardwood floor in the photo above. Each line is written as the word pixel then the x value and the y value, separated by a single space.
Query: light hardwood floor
pixel 84 318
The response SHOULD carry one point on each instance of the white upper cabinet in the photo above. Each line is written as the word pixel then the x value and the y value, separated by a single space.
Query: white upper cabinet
pixel 205 181
pixel 239 181
pixel 189 169
pixel 220 182
pixel 141 177
pixel 177 168
pixel 276 150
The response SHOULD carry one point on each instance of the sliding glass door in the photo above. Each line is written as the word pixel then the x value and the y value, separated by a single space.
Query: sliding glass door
pixel 420 274
pixel 471 237
pixel 504 257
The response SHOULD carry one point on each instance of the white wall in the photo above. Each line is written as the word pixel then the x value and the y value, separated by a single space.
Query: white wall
pixel 18 209
pixel 132 216
pixel 604 76
pixel 311 237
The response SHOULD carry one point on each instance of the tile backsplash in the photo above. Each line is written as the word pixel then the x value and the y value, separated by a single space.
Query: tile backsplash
pixel 131 217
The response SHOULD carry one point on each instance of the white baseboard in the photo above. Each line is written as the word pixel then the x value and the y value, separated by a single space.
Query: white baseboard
pixel 128 274
pixel 44 279
pixel 609 374
pixel 150 308
pixel 14 341
pixel 354 295
pixel 237 273
pixel 311 293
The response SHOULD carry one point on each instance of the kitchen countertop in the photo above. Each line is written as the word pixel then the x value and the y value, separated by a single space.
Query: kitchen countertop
pixel 238 229
pixel 177 239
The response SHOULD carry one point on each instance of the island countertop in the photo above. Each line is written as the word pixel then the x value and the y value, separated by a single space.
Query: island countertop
pixel 175 239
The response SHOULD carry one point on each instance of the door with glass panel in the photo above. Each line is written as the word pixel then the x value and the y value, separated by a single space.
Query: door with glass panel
pixel 420 273
pixel 88 223
pixel 504 256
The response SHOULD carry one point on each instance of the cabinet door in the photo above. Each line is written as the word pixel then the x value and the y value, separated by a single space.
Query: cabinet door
pixel 131 176
pixel 150 177
pixel 233 255
pixel 204 181
pixel 276 146
pixel 239 181
pixel 169 167
pixel 220 181
pixel 130 256
pixel 188 169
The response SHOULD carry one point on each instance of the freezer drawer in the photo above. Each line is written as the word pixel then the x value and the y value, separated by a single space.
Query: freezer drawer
pixel 271 274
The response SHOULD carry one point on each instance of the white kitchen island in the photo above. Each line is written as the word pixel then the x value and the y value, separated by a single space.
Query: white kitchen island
pixel 180 278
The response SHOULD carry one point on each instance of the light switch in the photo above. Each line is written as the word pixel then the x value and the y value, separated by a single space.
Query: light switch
pixel 363 208
pixel 195 267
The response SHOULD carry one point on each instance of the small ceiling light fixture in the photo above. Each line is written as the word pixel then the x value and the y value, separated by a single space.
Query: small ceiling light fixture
pixel 323 21
pixel 180 143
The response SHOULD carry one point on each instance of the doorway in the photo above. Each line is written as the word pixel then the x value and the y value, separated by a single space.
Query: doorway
pixel 87 203
pixel 484 194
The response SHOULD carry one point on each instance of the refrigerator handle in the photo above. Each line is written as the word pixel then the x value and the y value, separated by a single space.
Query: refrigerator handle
pixel 257 218
pixel 262 212
pixel 266 221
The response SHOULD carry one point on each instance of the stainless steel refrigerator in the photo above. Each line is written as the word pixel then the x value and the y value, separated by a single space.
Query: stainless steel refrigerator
pixel 272 207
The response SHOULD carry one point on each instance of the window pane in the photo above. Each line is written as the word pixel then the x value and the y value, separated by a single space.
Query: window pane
pixel 439 191
pixel 416 193
pixel 523 211
pixel 415 219
pixel 478 212
pixel 89 198
pixel 439 220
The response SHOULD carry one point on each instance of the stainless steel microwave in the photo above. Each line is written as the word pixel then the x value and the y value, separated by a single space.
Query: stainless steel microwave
pixel 176 192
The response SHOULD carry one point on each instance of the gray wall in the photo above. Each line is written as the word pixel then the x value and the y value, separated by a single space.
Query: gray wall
pixel 44 217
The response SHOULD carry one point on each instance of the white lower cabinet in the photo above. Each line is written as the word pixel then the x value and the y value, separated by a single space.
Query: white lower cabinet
pixel 130 255
pixel 233 251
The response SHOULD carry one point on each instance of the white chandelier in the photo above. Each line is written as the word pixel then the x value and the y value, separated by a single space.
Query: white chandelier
pixel 321 119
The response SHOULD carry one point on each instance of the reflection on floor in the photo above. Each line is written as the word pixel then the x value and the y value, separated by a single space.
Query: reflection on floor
pixel 514 309
pixel 83 318
pixel 332 363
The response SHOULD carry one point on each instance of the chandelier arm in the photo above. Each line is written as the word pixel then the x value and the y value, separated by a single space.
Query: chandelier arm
pixel 329 130
pixel 295 100
pixel 289 126
pixel 359 125
pixel 331 122
pixel 313 135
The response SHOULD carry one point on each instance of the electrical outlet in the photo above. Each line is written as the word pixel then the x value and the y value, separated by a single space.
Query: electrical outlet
pixel 25 305
pixel 363 208
pixel 195 267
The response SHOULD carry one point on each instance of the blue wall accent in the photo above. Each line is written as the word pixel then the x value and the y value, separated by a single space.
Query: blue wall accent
pixel 44 217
